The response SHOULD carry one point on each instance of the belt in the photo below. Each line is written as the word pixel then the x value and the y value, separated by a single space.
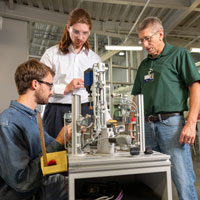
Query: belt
pixel 67 104
pixel 161 116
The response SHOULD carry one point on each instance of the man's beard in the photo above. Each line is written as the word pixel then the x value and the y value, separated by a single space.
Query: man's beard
pixel 40 99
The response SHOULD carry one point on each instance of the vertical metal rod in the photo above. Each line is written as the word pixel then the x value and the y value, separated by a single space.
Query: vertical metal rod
pixel 76 111
pixel 140 117
pixel 99 96
pixel 95 43
pixel 111 86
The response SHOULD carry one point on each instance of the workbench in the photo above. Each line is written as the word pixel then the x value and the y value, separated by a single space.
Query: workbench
pixel 152 169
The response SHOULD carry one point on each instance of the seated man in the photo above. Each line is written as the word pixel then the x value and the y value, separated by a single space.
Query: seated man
pixel 20 147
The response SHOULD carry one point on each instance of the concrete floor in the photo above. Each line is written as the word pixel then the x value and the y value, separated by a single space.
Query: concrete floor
pixel 196 165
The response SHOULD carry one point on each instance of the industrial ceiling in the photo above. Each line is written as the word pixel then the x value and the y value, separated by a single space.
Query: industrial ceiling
pixel 115 18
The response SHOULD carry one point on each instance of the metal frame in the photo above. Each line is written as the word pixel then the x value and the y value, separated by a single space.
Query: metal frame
pixel 121 165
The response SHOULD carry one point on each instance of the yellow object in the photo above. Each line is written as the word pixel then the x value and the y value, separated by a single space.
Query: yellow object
pixel 61 163
pixel 111 122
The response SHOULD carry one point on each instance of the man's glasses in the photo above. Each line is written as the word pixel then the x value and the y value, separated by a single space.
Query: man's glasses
pixel 46 83
pixel 147 39
pixel 77 33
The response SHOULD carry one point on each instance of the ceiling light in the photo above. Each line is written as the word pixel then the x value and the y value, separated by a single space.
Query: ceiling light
pixel 121 53
pixel 125 48
pixel 195 50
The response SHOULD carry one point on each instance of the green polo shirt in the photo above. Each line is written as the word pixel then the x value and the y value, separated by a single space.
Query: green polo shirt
pixel 173 71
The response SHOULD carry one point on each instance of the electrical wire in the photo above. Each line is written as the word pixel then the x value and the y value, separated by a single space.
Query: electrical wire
pixel 90 125
pixel 105 198
pixel 120 196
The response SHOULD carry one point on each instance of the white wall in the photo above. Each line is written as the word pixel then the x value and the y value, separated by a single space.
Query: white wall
pixel 13 51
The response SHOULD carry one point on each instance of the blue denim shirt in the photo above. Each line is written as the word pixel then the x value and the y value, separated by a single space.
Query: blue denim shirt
pixel 20 151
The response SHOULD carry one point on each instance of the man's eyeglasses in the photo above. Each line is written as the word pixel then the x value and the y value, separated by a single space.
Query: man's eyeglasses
pixel 46 83
pixel 147 39
pixel 77 33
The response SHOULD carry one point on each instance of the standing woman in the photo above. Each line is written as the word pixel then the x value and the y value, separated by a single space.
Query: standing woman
pixel 69 59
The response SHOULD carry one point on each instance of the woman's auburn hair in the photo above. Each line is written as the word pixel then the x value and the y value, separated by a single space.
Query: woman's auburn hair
pixel 78 15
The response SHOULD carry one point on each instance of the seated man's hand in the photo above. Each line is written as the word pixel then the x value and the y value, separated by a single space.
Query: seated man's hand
pixel 65 130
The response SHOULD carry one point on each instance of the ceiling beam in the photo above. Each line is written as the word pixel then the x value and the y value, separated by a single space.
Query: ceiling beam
pixel 192 42
pixel 50 3
pixel 60 6
pixel 27 13
pixel 182 31
pixel 137 20
pixel 11 4
pixel 31 14
pixel 182 42
pixel 30 3
pixel 49 17
pixel 79 4
pixel 111 34
pixel 39 2
pixel 197 9
pixel 124 14
pixel 174 4
pixel 192 21
pixel 175 19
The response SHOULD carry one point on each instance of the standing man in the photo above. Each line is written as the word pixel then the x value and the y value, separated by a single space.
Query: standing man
pixel 69 59
pixel 166 78
pixel 20 147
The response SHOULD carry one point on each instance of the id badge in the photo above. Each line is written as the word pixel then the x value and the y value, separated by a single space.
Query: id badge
pixel 148 77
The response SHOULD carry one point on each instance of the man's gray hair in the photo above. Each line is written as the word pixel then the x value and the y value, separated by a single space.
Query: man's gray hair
pixel 150 21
